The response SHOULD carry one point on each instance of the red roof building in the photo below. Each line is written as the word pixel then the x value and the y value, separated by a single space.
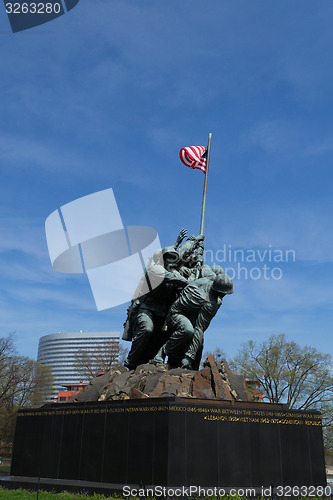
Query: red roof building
pixel 253 387
pixel 71 390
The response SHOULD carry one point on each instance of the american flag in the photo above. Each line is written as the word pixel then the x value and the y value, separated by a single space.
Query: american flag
pixel 194 157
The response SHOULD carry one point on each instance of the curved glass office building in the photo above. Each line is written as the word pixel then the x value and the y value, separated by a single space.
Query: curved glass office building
pixel 58 349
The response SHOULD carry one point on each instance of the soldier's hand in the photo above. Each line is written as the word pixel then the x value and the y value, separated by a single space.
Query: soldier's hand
pixel 181 236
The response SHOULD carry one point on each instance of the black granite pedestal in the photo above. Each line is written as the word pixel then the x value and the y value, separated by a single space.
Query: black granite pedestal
pixel 171 442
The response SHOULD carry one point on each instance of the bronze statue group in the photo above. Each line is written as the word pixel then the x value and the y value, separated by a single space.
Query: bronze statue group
pixel 183 295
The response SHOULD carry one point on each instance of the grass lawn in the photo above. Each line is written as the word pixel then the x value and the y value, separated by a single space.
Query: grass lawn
pixel 4 468
pixel 45 495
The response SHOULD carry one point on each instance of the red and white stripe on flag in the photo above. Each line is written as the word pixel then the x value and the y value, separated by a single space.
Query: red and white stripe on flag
pixel 194 157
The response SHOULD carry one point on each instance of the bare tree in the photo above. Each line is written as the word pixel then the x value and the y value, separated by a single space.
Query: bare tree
pixel 30 383
pixel 23 382
pixel 7 370
pixel 218 354
pixel 101 359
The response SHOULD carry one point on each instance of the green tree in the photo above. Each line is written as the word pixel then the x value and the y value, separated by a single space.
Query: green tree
pixel 288 373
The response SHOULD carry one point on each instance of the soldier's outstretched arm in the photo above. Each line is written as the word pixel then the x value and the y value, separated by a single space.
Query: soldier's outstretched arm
pixel 180 238
pixel 158 273
pixel 175 279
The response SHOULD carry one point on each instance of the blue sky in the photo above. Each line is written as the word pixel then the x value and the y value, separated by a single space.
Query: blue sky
pixel 106 95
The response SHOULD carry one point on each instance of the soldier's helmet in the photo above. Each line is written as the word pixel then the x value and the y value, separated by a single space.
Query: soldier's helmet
pixel 170 254
pixel 166 253
pixel 223 284
pixel 217 269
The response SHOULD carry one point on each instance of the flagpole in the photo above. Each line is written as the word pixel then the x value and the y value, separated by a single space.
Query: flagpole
pixel 203 209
